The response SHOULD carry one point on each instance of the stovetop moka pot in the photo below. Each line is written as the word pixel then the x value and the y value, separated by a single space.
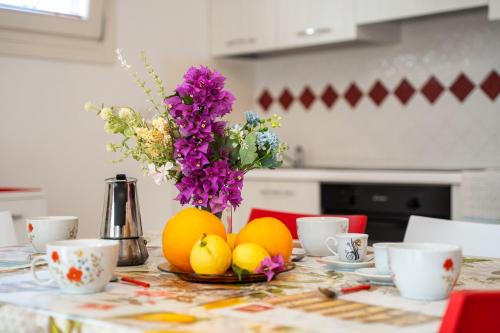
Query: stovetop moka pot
pixel 121 220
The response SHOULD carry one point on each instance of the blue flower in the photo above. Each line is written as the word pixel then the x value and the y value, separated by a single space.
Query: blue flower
pixel 252 118
pixel 267 140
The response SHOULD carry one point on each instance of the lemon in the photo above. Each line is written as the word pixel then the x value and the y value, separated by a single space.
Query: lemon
pixel 231 238
pixel 248 256
pixel 210 255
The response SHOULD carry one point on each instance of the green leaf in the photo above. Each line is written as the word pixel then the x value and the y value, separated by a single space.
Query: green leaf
pixel 248 154
pixel 188 100
pixel 128 132
pixel 240 272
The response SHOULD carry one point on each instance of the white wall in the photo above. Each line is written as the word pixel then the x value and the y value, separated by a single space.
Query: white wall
pixel 447 134
pixel 47 140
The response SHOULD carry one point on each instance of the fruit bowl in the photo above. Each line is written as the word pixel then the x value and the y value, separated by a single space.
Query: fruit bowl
pixel 227 278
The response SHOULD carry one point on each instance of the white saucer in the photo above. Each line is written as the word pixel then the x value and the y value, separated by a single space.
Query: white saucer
pixel 298 251
pixel 371 275
pixel 345 265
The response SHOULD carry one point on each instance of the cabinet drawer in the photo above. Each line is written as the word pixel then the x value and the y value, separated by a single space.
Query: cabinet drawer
pixel 241 26
pixel 20 209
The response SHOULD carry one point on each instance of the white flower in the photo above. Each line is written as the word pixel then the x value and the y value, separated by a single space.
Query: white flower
pixel 159 123
pixel 160 174
pixel 125 113
pixel 106 113
pixel 89 106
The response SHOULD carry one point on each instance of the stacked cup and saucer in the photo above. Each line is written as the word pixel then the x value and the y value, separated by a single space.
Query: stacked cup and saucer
pixel 349 252
pixel 380 274
pixel 322 236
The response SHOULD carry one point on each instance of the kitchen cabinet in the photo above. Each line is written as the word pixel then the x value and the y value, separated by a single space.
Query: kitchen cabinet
pixel 283 195
pixel 494 10
pixel 309 22
pixel 374 11
pixel 241 26
pixel 22 204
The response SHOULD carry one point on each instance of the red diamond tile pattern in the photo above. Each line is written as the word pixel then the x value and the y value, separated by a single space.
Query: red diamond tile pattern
pixel 491 85
pixel 265 100
pixel 462 87
pixel 307 97
pixel 404 91
pixel 286 99
pixel 432 89
pixel 378 93
pixel 353 94
pixel 329 96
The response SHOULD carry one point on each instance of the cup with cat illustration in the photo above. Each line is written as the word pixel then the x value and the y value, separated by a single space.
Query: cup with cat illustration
pixel 349 247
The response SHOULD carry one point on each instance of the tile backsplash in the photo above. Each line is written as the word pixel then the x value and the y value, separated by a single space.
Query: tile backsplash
pixel 428 101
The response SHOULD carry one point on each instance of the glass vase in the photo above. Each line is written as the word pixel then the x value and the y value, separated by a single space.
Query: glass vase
pixel 226 217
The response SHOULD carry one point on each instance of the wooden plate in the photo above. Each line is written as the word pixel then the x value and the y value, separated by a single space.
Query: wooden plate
pixel 228 277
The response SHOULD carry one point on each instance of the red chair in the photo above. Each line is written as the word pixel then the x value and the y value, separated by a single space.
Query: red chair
pixel 471 312
pixel 357 223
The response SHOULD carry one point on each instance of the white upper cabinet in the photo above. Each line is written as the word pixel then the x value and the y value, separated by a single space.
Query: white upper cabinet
pixel 311 22
pixel 242 26
pixel 373 11
pixel 494 10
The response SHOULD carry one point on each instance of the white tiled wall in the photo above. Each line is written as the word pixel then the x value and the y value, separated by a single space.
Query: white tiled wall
pixel 446 134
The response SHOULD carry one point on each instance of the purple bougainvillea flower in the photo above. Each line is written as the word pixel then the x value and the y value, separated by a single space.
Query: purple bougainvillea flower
pixel 208 179
pixel 270 266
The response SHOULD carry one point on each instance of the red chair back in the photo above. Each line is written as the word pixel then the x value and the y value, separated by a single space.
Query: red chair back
pixel 472 311
pixel 357 223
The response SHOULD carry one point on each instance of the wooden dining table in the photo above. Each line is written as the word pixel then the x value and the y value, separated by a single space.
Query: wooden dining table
pixel 289 303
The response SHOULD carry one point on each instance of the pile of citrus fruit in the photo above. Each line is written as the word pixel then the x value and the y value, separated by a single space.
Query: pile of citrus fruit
pixel 195 240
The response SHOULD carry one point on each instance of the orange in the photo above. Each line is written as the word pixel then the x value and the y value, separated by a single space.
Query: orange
pixel 270 233
pixel 230 240
pixel 183 230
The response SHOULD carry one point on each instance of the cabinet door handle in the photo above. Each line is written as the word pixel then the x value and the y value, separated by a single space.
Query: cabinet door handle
pixel 240 41
pixel 17 216
pixel 307 32
pixel 283 193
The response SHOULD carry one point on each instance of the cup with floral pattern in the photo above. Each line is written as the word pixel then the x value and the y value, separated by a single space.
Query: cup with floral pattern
pixel 79 266
pixel 349 247
pixel 425 271
pixel 44 229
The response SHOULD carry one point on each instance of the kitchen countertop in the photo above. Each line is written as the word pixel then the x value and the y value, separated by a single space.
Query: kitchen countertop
pixel 334 175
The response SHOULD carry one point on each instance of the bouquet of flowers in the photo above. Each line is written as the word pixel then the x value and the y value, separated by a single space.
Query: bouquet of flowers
pixel 188 143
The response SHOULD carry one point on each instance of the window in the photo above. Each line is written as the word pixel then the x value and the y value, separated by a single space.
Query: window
pixel 64 29
pixel 72 8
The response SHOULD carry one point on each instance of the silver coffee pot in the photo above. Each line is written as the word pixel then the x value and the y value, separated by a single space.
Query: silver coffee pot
pixel 121 220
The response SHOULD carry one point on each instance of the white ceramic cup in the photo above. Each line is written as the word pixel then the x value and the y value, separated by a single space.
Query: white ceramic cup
pixel 44 229
pixel 425 271
pixel 313 231
pixel 348 247
pixel 79 266
pixel 381 252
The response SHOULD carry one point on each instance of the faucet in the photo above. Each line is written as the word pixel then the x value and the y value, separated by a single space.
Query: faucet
pixel 298 159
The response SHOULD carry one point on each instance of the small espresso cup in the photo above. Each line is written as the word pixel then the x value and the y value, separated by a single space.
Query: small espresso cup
pixel 381 251
pixel 313 232
pixel 79 266
pixel 44 229
pixel 348 247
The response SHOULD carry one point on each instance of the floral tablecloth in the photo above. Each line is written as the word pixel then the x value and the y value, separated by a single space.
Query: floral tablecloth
pixel 290 303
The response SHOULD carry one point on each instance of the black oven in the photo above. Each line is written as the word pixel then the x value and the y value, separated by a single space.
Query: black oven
pixel 388 206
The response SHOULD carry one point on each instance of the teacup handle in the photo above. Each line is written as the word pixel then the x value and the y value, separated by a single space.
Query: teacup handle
pixel 35 277
pixel 328 246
